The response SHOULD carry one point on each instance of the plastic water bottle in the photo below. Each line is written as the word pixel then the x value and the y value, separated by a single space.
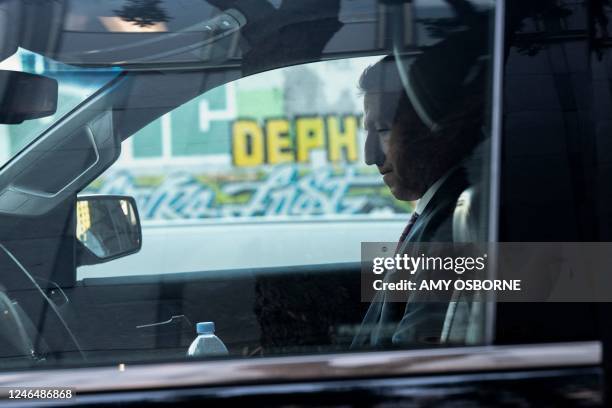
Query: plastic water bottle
pixel 206 344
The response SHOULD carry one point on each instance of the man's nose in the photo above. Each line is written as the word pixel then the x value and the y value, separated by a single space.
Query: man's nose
pixel 373 150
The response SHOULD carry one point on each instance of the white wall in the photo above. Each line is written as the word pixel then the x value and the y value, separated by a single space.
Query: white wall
pixel 200 247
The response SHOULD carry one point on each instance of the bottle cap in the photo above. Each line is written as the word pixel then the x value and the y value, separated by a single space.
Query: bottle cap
pixel 205 327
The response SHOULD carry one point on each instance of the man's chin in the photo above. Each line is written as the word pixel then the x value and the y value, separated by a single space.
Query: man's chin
pixel 403 194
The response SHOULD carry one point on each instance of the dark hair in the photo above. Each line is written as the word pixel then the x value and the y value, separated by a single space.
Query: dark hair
pixel 381 76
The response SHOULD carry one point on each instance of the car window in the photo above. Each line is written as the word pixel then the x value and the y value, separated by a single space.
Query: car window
pixel 238 189
pixel 238 176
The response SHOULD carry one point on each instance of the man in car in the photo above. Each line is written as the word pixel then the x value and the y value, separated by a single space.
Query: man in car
pixel 421 157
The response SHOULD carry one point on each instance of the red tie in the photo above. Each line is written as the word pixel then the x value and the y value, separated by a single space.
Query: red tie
pixel 407 230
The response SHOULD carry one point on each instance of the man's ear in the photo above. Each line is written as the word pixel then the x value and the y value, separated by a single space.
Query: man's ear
pixel 407 121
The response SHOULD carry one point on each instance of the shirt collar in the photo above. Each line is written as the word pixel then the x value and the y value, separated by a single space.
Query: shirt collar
pixel 423 201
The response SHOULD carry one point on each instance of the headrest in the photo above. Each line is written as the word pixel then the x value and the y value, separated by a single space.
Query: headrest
pixel 439 80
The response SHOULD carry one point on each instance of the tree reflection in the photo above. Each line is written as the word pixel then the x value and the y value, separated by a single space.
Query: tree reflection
pixel 143 13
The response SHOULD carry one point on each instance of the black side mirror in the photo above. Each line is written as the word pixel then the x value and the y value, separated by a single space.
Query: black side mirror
pixel 25 96
pixel 107 228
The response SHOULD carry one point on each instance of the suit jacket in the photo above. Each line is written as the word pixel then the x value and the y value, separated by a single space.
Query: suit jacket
pixel 421 322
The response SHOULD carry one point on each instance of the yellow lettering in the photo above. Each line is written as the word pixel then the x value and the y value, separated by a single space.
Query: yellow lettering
pixel 309 136
pixel 339 140
pixel 247 143
pixel 278 142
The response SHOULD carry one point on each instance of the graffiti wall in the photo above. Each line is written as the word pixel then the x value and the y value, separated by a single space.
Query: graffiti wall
pixel 279 191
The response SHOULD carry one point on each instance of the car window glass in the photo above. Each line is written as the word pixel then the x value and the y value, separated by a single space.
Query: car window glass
pixel 277 154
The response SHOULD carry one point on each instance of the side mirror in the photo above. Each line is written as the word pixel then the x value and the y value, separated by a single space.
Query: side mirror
pixel 25 96
pixel 107 228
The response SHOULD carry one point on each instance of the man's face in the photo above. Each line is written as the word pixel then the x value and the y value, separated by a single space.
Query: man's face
pixel 400 149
